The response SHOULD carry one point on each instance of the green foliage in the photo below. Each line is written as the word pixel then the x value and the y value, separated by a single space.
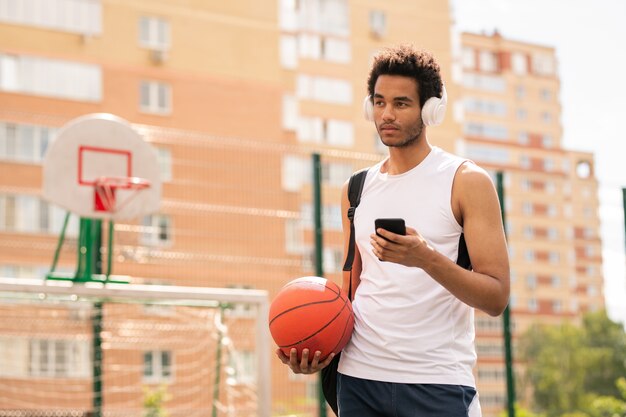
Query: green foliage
pixel 153 402
pixel 522 412
pixel 573 369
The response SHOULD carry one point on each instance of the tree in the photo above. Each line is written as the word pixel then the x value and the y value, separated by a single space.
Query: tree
pixel 573 369
pixel 606 349
pixel 153 402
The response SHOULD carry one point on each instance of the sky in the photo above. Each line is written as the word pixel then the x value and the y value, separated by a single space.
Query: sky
pixel 589 37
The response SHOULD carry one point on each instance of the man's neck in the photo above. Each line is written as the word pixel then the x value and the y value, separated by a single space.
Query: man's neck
pixel 404 159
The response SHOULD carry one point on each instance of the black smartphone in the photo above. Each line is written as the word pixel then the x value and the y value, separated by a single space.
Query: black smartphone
pixel 396 226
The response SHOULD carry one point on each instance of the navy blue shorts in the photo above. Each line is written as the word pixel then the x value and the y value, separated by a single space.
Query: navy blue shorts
pixel 364 398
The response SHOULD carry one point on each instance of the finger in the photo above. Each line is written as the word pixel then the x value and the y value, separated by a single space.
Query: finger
pixel 293 357
pixel 327 361
pixel 411 232
pixel 316 359
pixel 281 355
pixel 304 363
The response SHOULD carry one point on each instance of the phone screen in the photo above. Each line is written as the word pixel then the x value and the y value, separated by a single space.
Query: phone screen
pixel 396 226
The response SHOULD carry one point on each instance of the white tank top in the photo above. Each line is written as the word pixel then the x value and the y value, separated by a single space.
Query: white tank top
pixel 408 328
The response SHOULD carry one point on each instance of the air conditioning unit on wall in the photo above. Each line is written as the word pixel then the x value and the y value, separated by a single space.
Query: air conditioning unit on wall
pixel 158 56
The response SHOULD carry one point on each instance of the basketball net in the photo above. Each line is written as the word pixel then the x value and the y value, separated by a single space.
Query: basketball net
pixel 106 187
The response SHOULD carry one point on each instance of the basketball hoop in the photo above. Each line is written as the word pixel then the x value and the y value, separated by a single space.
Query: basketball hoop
pixel 106 187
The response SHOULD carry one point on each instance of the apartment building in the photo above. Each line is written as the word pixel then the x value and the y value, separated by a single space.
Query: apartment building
pixel 234 97
pixel 511 116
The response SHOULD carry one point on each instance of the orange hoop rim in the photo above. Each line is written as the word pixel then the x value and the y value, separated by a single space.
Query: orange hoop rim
pixel 132 183
pixel 105 189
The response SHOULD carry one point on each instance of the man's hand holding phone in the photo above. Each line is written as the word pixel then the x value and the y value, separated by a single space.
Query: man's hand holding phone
pixel 394 242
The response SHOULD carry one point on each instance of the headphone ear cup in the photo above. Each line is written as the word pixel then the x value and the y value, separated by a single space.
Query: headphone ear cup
pixel 368 109
pixel 434 109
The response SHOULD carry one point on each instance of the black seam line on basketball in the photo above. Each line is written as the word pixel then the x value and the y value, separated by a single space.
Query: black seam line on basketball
pixel 338 294
pixel 303 305
pixel 319 330
pixel 343 333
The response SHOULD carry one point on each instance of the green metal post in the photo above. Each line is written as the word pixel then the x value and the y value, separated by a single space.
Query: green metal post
pixel 57 251
pixel 110 250
pixel 96 258
pixel 319 264
pixel 506 318
pixel 96 323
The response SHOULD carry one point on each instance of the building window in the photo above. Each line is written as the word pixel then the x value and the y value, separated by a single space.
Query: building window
pixel 324 89
pixel 488 61
pixel 288 51
pixel 18 213
pixel 553 233
pixel 288 15
pixel 156 230
pixel 522 138
pixel 468 57
pixel 529 232
pixel 290 112
pixel 155 97
pixel 50 78
pixel 546 117
pixel 533 306
pixel 331 216
pixel 522 114
pixel 544 64
pixel 520 92
pixel 24 142
pixel 491 107
pixel 75 16
pixel 378 23
pixel 546 95
pixel 339 133
pixel 529 255
pixel 483 82
pixel 486 130
pixel 294 236
pixel 329 17
pixel 487 154
pixel 154 33
pixel 164 159
pixel 547 141
pixel 59 358
pixel 295 171
pixel 519 63
pixel 531 281
pixel 157 366
pixel 336 50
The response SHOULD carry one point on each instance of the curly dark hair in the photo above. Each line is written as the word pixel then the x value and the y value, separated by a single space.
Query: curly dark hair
pixel 410 62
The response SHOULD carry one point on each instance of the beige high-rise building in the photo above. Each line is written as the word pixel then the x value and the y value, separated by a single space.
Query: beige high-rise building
pixel 511 115
pixel 235 97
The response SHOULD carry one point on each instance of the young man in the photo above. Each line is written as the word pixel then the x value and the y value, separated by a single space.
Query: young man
pixel 412 350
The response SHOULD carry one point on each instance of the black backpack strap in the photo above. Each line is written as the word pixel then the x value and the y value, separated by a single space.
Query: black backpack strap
pixel 355 187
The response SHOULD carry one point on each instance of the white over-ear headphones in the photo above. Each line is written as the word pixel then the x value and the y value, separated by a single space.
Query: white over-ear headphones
pixel 433 111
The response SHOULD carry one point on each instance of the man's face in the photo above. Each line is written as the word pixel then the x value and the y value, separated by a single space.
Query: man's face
pixel 397 111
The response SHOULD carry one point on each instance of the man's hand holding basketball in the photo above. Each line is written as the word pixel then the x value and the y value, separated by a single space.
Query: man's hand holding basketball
pixel 303 366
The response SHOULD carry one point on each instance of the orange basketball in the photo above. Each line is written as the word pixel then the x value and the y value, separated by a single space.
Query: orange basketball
pixel 313 313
